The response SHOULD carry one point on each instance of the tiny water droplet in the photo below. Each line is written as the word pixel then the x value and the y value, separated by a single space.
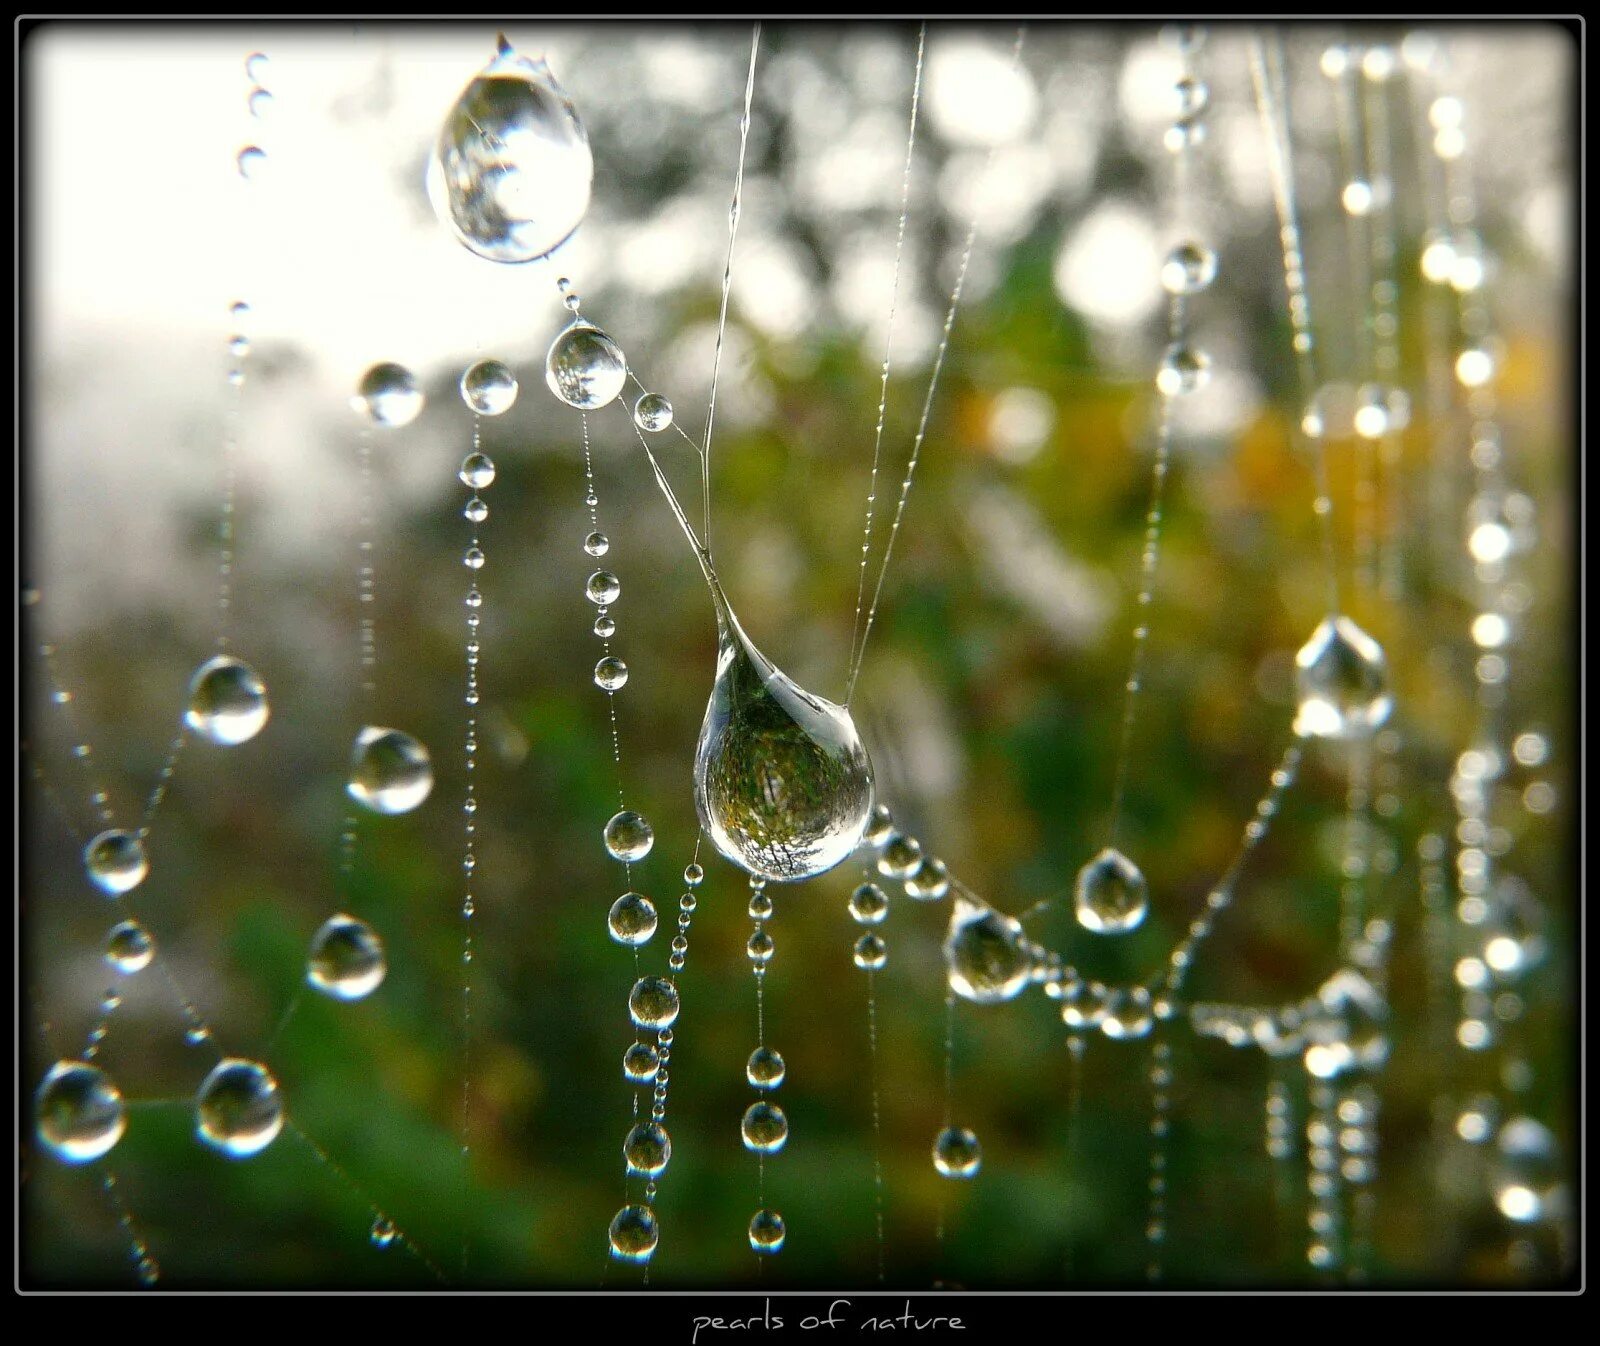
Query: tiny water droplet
pixel 477 471
pixel 628 836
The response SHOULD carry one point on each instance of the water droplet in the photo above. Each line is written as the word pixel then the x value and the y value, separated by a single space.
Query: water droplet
pixel 238 1109
pixel 1189 268
pixel 880 826
pixel 767 1231
pixel 473 558
pixel 1183 370
pixel 986 957
pixel 1348 1032
pixel 1371 418
pixel 603 588
pixel 1438 257
pixel 1526 1178
pixel 693 875
pixel 605 627
pixel 347 960
pixel 384 1232
pixel 474 599
pixel 629 837
pixel 634 1234
pixel 901 857
pixel 1184 134
pixel 1112 896
pixel 260 103
pixel 760 906
pixel 640 1063
pixel 610 674
pixel 782 783
pixel 252 162
pixel 870 953
pixel 647 1148
pixel 652 412
pixel 79 1112
pixel 390 771
pixel 653 1002
pixel 227 701
pixel 956 1153
pixel 488 387
pixel 389 395
pixel 1342 682
pixel 632 920
pixel 869 904
pixel 476 510
pixel 585 368
pixel 129 947
pixel 477 471
pixel 149 1271
pixel 255 66
pixel 597 544
pixel 239 346
pixel 929 881
pixel 116 861
pixel 511 170
pixel 764 1128
pixel 765 1069
pixel 1128 1014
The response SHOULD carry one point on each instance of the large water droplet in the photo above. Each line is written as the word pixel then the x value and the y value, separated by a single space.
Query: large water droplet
pixel 610 674
pixel 640 1063
pixel 647 1148
pixel 390 772
pixel 634 1234
pixel 1526 1178
pixel 870 953
pixel 477 471
pixel 987 960
pixel 511 170
pixel 79 1112
pixel 629 837
pixel 956 1153
pixel 767 1231
pixel 129 947
pixel 227 701
pixel 929 881
pixel 764 1128
pixel 489 388
pixel 238 1109
pixel 632 919
pixel 652 412
pixel 869 905
pixel 1112 896
pixel 585 368
pixel 653 1002
pixel 389 395
pixel 765 1069
pixel 347 960
pixel 602 588
pixel 116 861
pixel 1342 680
pixel 900 857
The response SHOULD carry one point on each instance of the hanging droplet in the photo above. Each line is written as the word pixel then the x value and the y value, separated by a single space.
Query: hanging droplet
pixel 759 947
pixel 870 953
pixel 640 1063
pixel 476 510
pixel 1189 268
pixel 384 1232
pixel 347 960
pixel 79 1112
pixel 880 826
pixel 477 471
pixel 252 162
pixel 129 947
pixel 632 920
pixel 1184 134
pixel 255 66
pixel 653 1002
pixel 956 1153
pixel 634 1234
pixel 1526 1179
pixel 987 960
pixel 1191 95
pixel 900 858
pixel 1082 1004
pixel 227 701
pixel 584 367
pixel 1128 1014
pixel 238 1109
pixel 260 103
pixel 1371 418
pixel 597 544
pixel 652 412
pixel 629 837
pixel 1350 1030
pixel 1111 894
pixel 116 861
pixel 1438 257
pixel 473 558
pixel 488 387
pixel 693 875
pixel 929 881
pixel 603 588
pixel 1183 370
pixel 390 772
pixel 647 1148
pixel 1342 681
pixel 511 170
pixel 610 674
pixel 388 395
pixel 605 627
pixel 765 1069
pixel 764 1128
pixel 767 1231
pixel 869 905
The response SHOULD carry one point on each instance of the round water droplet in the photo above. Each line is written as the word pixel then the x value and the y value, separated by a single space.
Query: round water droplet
pixel 767 1231
pixel 929 881
pixel 764 1128
pixel 476 510
pixel 652 412
pixel 585 368
pixel 1191 95
pixel 693 875
pixel 347 960
pixel 384 1232
pixel 116 861
pixel 1342 682
pixel 760 906
pixel 1184 134
pixel 488 387
pixel 1183 370
pixel 255 66
pixel 765 1069
pixel 511 169
pixel 1111 894
pixel 477 471
pixel 759 948
pixel 1526 1178
pixel 238 1109
pixel 632 920
pixel 634 1234
pixel 869 905
pixel 227 701
pixel 605 627
pixel 252 162
pixel 1189 268
pixel 653 1002
pixel 129 947
pixel 640 1063
pixel 647 1148
pixel 390 772
pixel 603 588
pixel 473 558
pixel 79 1112
pixel 629 837
pixel 1128 1014
pixel 880 826
pixel 901 857
pixel 597 544
pixel 610 674
pixel 956 1153
pixel 870 953
pixel 987 960
pixel 260 103
pixel 389 395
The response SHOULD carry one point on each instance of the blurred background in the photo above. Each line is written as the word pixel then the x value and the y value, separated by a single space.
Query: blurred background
pixel 991 694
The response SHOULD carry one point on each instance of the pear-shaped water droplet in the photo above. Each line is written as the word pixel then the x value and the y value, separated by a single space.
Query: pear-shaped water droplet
pixel 116 861
pixel 652 412
pixel 511 169
pixel 629 837
pixel 1189 268
pixel 634 1234
pixel 227 701
pixel 764 1128
pixel 1111 894
pixel 1342 682
pixel 489 387
pixel 129 947
pixel 767 1231
pixel 389 395
pixel 79 1112
pixel 632 920
pixel 390 772
pixel 653 1002
pixel 584 367
pixel 880 826
pixel 647 1148
pixel 610 674
pixel 347 960
pixel 477 471
pixel 869 905
pixel 987 960
pixel 765 1069
pixel 956 1153
pixel 238 1109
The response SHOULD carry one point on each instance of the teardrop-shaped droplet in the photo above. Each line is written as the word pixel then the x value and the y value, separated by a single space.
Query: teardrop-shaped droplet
pixel 584 367
pixel 956 1153
pixel 129 947
pixel 1342 682
pixel 767 1231
pixel 647 1148
pixel 227 701
pixel 347 960
pixel 390 772
pixel 652 412
pixel 1111 894
pixel 238 1109
pixel 489 387
pixel 653 1002
pixel 764 1128
pixel 880 826
pixel 116 861
pixel 987 960
pixel 511 170
pixel 79 1113
pixel 765 1069
pixel 632 920
pixel 634 1234
pixel 628 836
pixel 389 395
